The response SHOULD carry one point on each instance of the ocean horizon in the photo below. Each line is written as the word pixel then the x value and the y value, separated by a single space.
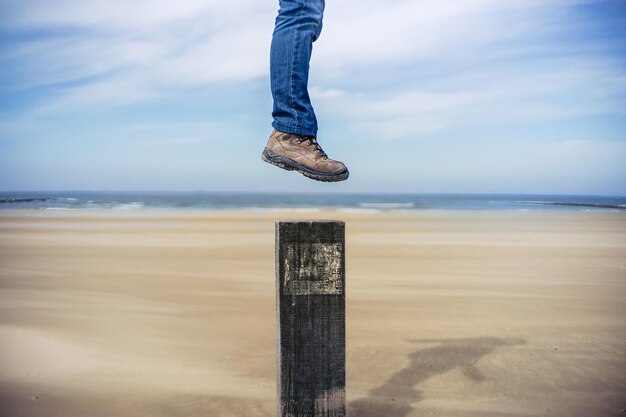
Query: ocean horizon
pixel 204 200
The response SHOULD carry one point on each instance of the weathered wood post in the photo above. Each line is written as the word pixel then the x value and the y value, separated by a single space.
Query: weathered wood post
pixel 310 281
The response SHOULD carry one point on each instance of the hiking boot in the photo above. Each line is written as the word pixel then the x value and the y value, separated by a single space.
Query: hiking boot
pixel 303 154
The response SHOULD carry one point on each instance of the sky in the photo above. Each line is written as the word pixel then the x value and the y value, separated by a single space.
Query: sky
pixel 472 96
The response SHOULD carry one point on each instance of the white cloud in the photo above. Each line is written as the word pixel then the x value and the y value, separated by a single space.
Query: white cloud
pixel 137 49
pixel 123 15
pixel 393 69
pixel 367 32
pixel 150 135
pixel 321 93
pixel 548 89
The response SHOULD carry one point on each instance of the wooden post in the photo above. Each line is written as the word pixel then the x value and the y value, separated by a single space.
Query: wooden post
pixel 310 281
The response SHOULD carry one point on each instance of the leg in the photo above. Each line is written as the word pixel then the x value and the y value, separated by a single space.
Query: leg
pixel 298 25
pixel 293 143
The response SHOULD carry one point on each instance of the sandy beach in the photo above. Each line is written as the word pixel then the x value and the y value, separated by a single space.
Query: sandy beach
pixel 449 313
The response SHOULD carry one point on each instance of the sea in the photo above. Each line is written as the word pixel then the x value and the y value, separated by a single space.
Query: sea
pixel 367 202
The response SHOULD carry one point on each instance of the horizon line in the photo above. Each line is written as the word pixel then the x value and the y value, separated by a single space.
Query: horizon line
pixel 314 192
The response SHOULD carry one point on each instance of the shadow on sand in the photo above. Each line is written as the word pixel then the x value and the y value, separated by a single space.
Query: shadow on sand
pixel 394 397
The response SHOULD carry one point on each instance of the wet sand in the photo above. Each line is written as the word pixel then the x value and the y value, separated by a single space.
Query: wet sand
pixel 449 313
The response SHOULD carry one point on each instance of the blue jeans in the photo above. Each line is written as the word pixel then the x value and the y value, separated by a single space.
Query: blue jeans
pixel 298 25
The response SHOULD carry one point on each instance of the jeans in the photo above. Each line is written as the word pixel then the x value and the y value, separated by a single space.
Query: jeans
pixel 298 25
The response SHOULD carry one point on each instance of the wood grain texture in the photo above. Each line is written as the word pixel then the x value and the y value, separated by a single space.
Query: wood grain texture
pixel 310 278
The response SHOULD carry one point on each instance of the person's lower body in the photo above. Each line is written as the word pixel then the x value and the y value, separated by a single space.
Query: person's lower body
pixel 293 145
pixel 298 25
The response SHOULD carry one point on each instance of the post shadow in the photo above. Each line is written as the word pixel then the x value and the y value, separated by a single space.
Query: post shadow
pixel 395 396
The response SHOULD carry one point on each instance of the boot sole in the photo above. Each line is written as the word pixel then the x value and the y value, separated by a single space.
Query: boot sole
pixel 291 165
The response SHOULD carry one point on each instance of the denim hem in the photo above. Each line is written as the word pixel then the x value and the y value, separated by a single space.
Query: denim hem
pixel 294 130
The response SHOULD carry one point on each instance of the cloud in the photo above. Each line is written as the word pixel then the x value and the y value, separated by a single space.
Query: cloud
pixel 369 32
pixel 89 74
pixel 446 55
pixel 173 135
pixel 549 89
pixel 141 16
pixel 138 49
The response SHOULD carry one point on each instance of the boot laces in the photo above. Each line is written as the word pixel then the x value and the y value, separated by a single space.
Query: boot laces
pixel 316 146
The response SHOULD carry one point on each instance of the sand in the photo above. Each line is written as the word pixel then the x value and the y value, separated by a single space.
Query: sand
pixel 449 313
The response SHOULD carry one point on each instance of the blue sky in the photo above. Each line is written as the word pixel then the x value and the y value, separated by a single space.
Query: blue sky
pixel 414 95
